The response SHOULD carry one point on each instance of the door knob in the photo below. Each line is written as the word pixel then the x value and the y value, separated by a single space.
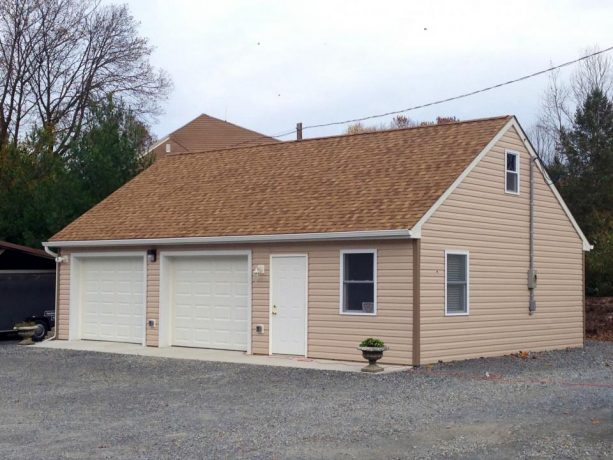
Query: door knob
pixel 274 309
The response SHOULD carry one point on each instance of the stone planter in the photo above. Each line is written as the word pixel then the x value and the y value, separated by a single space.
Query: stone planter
pixel 372 354
pixel 26 333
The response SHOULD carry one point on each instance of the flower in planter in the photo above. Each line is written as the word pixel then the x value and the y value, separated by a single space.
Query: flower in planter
pixel 372 350
pixel 374 343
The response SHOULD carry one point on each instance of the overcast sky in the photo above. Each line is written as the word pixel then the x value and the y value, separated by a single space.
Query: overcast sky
pixel 266 65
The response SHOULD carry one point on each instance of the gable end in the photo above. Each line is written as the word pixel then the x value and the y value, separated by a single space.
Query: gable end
pixel 512 123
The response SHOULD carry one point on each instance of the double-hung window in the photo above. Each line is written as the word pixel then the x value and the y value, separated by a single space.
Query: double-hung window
pixel 511 179
pixel 456 283
pixel 359 282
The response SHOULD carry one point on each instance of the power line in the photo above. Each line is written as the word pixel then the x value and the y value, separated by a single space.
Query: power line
pixel 440 101
pixel 261 136
pixel 461 96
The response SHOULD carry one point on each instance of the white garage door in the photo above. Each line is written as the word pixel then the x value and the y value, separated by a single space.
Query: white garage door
pixel 112 299
pixel 209 302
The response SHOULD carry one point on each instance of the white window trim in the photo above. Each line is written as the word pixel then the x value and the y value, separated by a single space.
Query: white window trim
pixel 342 279
pixel 506 171
pixel 463 253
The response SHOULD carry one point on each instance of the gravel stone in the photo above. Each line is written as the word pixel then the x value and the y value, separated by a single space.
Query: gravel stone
pixel 60 404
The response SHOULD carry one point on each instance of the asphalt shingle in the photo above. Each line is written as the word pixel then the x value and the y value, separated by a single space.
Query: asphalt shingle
pixel 383 180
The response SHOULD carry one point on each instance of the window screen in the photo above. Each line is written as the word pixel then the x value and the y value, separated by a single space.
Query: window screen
pixel 457 284
pixel 358 290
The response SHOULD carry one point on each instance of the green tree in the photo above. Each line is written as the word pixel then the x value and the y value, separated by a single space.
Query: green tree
pixel 58 57
pixel 584 175
pixel 110 152
pixel 34 189
pixel 41 192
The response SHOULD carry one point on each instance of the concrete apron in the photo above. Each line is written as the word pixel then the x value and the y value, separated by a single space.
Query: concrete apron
pixel 220 356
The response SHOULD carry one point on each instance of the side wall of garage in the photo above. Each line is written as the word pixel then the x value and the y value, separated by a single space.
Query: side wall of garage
pixel 330 334
pixel 493 227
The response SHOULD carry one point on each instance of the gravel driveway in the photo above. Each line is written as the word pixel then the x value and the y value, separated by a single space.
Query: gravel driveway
pixel 72 404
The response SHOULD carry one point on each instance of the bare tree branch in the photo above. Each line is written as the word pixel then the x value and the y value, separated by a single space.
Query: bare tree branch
pixel 560 101
pixel 60 57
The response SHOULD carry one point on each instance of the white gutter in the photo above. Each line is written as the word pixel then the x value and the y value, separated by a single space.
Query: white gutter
pixel 58 261
pixel 357 235
pixel 55 255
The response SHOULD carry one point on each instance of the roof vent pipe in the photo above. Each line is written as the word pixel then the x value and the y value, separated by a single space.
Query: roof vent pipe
pixel 299 131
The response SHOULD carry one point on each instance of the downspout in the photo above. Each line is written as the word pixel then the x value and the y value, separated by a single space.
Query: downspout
pixel 58 261
pixel 531 269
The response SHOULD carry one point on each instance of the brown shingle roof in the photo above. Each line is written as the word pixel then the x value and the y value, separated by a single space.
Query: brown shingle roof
pixel 209 133
pixel 372 181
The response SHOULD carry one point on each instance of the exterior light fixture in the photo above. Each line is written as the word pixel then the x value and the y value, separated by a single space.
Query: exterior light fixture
pixel 152 255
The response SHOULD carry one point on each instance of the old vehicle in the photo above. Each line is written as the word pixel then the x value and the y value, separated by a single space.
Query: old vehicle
pixel 27 288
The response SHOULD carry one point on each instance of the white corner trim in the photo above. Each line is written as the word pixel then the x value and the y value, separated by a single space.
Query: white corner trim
pixel 356 235
pixel 416 230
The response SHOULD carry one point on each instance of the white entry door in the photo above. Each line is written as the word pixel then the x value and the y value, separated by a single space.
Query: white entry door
pixel 210 302
pixel 288 304
pixel 112 298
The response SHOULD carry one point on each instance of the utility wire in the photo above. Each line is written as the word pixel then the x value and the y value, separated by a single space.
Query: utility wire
pixel 460 96
pixel 440 101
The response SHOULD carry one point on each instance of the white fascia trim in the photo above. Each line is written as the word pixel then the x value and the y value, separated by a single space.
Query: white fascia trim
pixel 586 244
pixel 416 230
pixel 357 235
pixel 157 144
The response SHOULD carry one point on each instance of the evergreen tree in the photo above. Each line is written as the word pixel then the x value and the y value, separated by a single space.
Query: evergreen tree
pixel 108 154
pixel 584 176
pixel 40 193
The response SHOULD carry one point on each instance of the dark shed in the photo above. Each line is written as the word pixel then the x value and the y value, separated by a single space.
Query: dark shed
pixel 27 285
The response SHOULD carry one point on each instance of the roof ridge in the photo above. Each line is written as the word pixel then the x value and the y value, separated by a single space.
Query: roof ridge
pixel 236 126
pixel 365 133
pixel 184 125
pixel 173 134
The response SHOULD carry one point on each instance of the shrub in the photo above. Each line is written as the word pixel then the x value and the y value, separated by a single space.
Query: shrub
pixel 370 342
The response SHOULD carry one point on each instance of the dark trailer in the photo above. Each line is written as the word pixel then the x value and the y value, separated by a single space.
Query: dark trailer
pixel 27 288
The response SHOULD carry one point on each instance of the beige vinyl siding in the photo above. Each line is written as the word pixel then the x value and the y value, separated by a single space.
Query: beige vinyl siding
pixel 63 305
pixel 330 334
pixel 259 301
pixel 493 226
pixel 153 302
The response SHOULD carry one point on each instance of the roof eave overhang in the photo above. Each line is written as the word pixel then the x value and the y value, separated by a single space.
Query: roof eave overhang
pixel 285 237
